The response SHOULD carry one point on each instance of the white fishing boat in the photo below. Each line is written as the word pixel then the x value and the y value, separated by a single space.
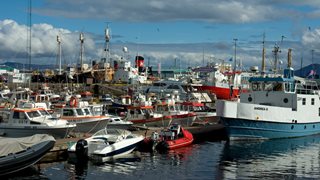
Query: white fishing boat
pixel 275 107
pixel 79 113
pixel 19 153
pixel 105 145
pixel 21 122
pixel 170 107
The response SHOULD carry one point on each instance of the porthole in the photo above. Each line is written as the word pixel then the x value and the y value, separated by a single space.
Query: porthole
pixel 285 100
pixel 249 99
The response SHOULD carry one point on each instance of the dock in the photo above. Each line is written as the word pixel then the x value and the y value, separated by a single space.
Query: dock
pixel 200 133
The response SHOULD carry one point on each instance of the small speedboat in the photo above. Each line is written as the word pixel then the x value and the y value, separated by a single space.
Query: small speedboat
pixel 105 145
pixel 19 153
pixel 168 139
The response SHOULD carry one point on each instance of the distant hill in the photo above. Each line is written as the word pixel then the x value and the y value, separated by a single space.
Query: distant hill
pixel 305 71
pixel 21 66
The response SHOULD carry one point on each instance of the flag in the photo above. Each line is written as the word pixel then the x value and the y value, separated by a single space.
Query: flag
pixel 312 73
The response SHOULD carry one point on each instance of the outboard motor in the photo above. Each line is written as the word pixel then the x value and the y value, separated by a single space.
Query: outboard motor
pixel 162 147
pixel 82 149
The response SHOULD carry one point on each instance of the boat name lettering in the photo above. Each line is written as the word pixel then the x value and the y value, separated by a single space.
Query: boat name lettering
pixel 261 108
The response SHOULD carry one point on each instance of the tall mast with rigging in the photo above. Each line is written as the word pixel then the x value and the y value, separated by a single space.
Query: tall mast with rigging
pixel 263 64
pixel 29 35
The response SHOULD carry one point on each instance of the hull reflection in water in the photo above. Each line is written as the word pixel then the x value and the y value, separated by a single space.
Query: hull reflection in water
pixel 272 159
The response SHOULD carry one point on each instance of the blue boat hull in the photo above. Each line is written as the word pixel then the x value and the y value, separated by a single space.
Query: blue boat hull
pixel 257 129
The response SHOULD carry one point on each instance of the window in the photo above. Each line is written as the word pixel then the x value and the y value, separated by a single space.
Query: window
pixel 173 87
pixel 319 111
pixel 86 111
pixel 303 101
pixel 16 115
pixel 80 112
pixel 312 101
pixel 68 112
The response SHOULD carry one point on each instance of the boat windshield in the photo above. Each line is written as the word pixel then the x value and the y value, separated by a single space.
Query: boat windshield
pixel 80 112
pixel 33 114
pixel 44 112
pixel 87 112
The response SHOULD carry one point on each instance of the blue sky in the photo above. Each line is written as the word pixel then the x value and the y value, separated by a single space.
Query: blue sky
pixel 162 30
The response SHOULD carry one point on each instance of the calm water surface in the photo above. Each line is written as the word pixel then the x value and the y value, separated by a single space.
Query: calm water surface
pixel 296 158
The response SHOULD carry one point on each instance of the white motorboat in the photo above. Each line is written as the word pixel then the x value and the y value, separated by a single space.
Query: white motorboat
pixel 80 113
pixel 105 145
pixel 19 153
pixel 21 122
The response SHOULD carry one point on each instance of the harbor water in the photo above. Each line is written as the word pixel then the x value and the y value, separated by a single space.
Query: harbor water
pixel 294 158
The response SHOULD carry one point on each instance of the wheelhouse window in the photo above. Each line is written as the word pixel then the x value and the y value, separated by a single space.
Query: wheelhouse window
pixel 80 112
pixel 312 101
pixel 19 115
pixel 33 114
pixel 303 101
pixel 86 111
pixel 68 112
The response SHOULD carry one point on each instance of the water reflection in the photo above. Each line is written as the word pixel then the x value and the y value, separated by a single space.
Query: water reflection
pixel 279 158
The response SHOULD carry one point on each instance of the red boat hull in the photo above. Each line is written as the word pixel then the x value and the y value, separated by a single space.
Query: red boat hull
pixel 221 92
pixel 186 140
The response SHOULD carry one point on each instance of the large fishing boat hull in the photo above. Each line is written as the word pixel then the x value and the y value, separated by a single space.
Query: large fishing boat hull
pixel 256 121
pixel 238 129
pixel 221 92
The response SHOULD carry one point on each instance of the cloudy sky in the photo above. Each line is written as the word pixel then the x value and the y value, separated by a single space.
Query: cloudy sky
pixel 188 32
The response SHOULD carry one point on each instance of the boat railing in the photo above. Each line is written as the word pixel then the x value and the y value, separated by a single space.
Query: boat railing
pixel 307 87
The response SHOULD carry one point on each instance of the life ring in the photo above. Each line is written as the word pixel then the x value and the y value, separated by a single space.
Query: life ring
pixel 73 102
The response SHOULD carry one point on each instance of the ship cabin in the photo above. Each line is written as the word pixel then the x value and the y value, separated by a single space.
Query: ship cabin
pixel 282 91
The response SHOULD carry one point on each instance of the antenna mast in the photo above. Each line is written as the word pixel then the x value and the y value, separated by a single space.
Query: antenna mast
pixel 59 52
pixel 81 38
pixel 29 34
pixel 263 65
pixel 235 54
pixel 107 36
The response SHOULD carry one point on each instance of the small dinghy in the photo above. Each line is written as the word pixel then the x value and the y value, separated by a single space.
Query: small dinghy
pixel 168 139
pixel 19 153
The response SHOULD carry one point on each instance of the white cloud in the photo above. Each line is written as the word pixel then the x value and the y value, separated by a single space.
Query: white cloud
pixel 310 38
pixel 228 11
pixel 13 46
pixel 13 42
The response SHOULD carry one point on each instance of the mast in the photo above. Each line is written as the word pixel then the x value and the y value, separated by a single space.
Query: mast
pixel 59 52
pixel 235 54
pixel 107 39
pixel 276 51
pixel 29 35
pixel 81 38
pixel 263 65
pixel 301 61
pixel 313 69
pixel 289 58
